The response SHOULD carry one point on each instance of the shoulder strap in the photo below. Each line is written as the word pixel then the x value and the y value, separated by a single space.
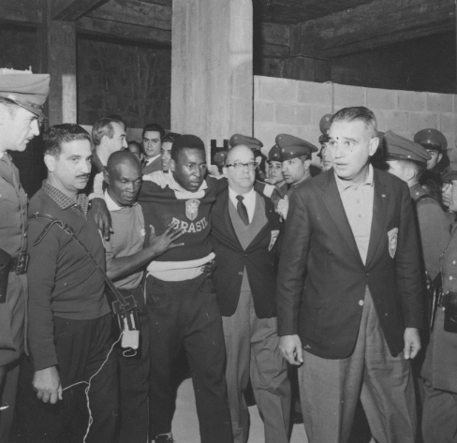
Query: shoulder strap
pixel 422 197
pixel 120 304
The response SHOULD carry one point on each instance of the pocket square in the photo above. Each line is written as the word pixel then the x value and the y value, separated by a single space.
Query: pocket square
pixel 392 235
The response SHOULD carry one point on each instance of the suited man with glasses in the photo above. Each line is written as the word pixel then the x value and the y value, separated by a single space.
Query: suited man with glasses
pixel 244 233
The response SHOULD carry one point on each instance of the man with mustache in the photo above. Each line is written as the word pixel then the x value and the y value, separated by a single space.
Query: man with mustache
pixel 69 316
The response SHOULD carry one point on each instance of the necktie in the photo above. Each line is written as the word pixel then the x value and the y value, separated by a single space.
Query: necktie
pixel 242 211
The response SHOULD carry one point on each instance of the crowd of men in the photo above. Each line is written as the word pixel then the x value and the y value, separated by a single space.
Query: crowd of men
pixel 348 275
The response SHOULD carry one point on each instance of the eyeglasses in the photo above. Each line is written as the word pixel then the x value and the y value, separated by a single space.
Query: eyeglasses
pixel 239 166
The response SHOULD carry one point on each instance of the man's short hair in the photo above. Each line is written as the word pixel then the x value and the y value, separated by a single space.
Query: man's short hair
pixel 154 127
pixel 118 119
pixel 170 137
pixel 186 141
pixel 355 113
pixel 56 135
pixel 102 127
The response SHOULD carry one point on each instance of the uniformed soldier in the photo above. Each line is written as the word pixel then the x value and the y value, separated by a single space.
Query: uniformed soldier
pixel 324 154
pixel 439 422
pixel 408 161
pixel 296 160
pixel 22 95
pixel 435 143
pixel 275 176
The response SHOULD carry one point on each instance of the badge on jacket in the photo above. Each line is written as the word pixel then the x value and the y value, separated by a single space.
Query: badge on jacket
pixel 274 236
pixel 392 235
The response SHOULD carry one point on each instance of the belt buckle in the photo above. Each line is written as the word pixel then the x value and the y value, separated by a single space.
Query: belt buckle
pixel 22 263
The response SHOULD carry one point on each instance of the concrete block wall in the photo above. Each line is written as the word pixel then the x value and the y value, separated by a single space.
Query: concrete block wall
pixel 296 107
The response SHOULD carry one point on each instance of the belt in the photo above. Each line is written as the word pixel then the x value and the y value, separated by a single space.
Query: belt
pixel 448 299
pixel 20 263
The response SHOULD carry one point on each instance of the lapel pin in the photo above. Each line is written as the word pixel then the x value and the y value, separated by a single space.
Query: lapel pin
pixel 383 195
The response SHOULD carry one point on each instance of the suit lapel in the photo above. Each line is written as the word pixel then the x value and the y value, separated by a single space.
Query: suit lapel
pixel 269 213
pixel 332 200
pixel 226 216
pixel 379 214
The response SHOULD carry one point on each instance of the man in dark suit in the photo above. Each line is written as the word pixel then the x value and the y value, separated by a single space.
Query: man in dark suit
pixel 244 232
pixel 350 291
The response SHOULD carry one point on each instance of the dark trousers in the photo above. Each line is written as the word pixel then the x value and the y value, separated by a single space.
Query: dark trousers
pixel 134 383
pixel 187 314
pixel 82 347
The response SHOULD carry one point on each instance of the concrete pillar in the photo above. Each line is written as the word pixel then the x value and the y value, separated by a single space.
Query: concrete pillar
pixel 212 79
pixel 58 58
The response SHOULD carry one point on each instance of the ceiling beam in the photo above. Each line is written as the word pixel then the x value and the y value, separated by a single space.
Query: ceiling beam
pixel 375 24
pixel 71 10
pixel 135 12
pixel 123 31
pixel 21 12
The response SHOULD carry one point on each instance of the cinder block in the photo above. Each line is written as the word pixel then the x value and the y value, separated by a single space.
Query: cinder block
pixel 278 89
pixel 304 115
pixel 412 101
pixel 421 120
pixel 309 133
pixel 380 98
pixel 266 132
pixel 264 111
pixel 439 102
pixel 393 120
pixel 448 123
pixel 315 93
pixel 285 114
pixel 348 96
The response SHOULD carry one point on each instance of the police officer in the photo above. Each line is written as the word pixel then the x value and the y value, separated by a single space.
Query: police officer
pixel 324 154
pixel 408 161
pixel 435 143
pixel 22 95
pixel 439 422
pixel 296 160
pixel 275 176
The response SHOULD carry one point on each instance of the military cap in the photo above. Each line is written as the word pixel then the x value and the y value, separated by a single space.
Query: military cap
pixel 324 123
pixel 324 138
pixel 250 142
pixel 25 89
pixel 292 147
pixel 275 154
pixel 431 139
pixel 220 157
pixel 400 148
pixel 450 173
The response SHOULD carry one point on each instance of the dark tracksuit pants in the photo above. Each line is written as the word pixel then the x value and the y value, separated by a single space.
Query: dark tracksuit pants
pixel 186 314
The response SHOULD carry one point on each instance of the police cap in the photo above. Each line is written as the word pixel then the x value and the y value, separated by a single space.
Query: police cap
pixel 25 89
pixel 324 123
pixel 400 148
pixel 275 154
pixel 431 139
pixel 250 142
pixel 292 147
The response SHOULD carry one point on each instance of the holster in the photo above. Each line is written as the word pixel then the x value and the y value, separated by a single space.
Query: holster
pixel 448 301
pixel 5 266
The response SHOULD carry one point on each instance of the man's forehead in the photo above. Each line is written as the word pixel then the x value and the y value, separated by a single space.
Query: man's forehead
pixel 240 153
pixel 349 129
pixel 152 135
pixel 76 147
pixel 191 155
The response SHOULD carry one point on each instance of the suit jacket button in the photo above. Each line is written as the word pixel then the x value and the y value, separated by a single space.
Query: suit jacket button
pixel 361 302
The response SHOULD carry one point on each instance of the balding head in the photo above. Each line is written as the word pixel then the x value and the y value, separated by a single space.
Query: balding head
pixel 123 177
pixel 240 179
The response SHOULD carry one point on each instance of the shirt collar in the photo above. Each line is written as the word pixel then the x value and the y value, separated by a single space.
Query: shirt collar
pixel 112 205
pixel 246 197
pixel 62 200
pixel 151 159
pixel 343 185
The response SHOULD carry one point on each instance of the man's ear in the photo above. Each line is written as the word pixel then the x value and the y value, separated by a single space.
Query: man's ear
pixel 373 146
pixel 307 163
pixel 50 162
pixel 440 156
pixel 224 171
pixel 106 176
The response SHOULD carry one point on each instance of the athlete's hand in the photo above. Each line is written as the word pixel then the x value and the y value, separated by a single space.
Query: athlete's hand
pixel 46 383
pixel 164 242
